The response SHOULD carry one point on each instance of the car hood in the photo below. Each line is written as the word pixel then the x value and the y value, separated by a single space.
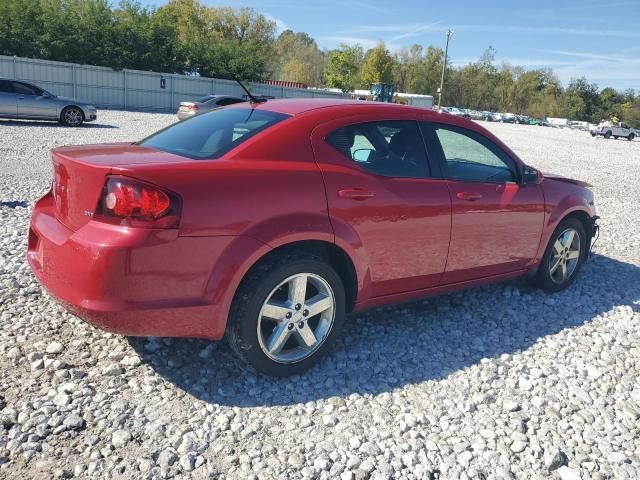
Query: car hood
pixel 560 178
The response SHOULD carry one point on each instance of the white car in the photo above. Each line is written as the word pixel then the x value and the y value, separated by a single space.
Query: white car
pixel 608 130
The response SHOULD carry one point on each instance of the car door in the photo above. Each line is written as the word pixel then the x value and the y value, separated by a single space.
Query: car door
pixel 496 221
pixel 8 104
pixel 32 103
pixel 381 193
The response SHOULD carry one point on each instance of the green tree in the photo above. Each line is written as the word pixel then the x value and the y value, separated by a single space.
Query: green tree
pixel 343 66
pixel 418 71
pixel 378 66
pixel 298 59
pixel 20 28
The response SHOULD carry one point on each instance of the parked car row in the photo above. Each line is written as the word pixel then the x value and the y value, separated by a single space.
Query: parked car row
pixel 491 116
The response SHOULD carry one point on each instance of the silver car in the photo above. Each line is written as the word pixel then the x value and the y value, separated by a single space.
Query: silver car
pixel 205 104
pixel 20 99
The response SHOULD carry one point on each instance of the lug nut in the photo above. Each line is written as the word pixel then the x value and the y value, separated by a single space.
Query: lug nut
pixel 305 312
pixel 290 326
pixel 288 315
pixel 298 306
pixel 300 324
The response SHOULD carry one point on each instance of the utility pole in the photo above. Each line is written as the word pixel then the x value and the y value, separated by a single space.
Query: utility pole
pixel 444 67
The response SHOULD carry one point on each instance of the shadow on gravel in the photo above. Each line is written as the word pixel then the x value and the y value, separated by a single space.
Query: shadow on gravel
pixel 14 204
pixel 44 123
pixel 390 348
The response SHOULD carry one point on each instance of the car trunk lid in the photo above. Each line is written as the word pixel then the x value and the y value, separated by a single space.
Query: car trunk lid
pixel 79 176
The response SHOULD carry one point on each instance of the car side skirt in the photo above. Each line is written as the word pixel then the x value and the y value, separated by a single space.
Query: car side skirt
pixel 433 291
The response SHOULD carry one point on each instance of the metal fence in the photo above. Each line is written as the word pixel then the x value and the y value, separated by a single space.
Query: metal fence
pixel 134 89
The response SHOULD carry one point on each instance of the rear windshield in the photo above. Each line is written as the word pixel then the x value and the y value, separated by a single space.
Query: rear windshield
pixel 205 99
pixel 212 134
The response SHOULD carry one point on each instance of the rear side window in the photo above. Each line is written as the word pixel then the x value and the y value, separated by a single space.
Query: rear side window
pixel 472 157
pixel 211 135
pixel 390 148
pixel 228 101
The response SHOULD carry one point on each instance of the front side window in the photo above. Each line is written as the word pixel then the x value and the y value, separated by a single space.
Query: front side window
pixel 25 89
pixel 390 148
pixel 471 157
pixel 212 134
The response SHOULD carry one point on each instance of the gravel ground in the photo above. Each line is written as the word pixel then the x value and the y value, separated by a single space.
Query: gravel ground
pixel 496 382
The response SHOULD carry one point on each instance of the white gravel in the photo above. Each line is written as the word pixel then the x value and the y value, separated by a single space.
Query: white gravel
pixel 496 382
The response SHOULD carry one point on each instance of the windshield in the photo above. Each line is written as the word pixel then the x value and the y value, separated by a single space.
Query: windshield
pixel 212 134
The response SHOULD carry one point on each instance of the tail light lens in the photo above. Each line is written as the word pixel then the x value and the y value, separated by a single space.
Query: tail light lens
pixel 129 202
pixel 192 106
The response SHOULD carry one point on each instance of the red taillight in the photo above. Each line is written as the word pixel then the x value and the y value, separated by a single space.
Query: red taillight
pixel 130 202
pixel 192 106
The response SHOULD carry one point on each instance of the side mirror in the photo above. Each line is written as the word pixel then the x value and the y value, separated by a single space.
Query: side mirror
pixel 531 176
pixel 363 154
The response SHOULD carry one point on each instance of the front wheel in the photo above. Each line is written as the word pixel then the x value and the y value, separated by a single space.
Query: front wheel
pixel 631 137
pixel 607 135
pixel 564 256
pixel 72 117
pixel 286 314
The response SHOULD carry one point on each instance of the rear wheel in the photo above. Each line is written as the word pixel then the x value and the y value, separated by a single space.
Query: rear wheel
pixel 286 314
pixel 563 257
pixel 72 117
pixel 631 136
pixel 607 135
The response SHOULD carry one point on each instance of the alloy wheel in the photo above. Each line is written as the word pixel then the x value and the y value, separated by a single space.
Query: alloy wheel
pixel 73 117
pixel 565 256
pixel 296 318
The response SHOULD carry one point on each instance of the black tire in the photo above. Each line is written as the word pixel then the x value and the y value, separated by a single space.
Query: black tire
pixel 72 116
pixel 242 327
pixel 593 134
pixel 631 137
pixel 615 137
pixel 607 135
pixel 543 278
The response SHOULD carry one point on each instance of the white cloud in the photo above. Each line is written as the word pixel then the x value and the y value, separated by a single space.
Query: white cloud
pixel 280 25
pixel 412 32
pixel 333 41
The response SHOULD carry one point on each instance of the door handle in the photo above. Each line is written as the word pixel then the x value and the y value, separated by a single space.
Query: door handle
pixel 355 193
pixel 469 196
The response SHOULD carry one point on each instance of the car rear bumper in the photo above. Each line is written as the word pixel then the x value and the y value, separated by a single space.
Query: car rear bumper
pixel 184 115
pixel 131 281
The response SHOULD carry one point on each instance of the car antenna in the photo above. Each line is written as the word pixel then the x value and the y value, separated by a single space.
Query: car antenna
pixel 252 99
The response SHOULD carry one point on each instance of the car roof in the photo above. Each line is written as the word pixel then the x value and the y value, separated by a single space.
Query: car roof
pixel 297 106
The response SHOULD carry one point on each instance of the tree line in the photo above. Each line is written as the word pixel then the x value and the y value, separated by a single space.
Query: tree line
pixel 185 36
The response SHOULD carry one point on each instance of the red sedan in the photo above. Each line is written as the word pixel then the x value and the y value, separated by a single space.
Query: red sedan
pixel 267 223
